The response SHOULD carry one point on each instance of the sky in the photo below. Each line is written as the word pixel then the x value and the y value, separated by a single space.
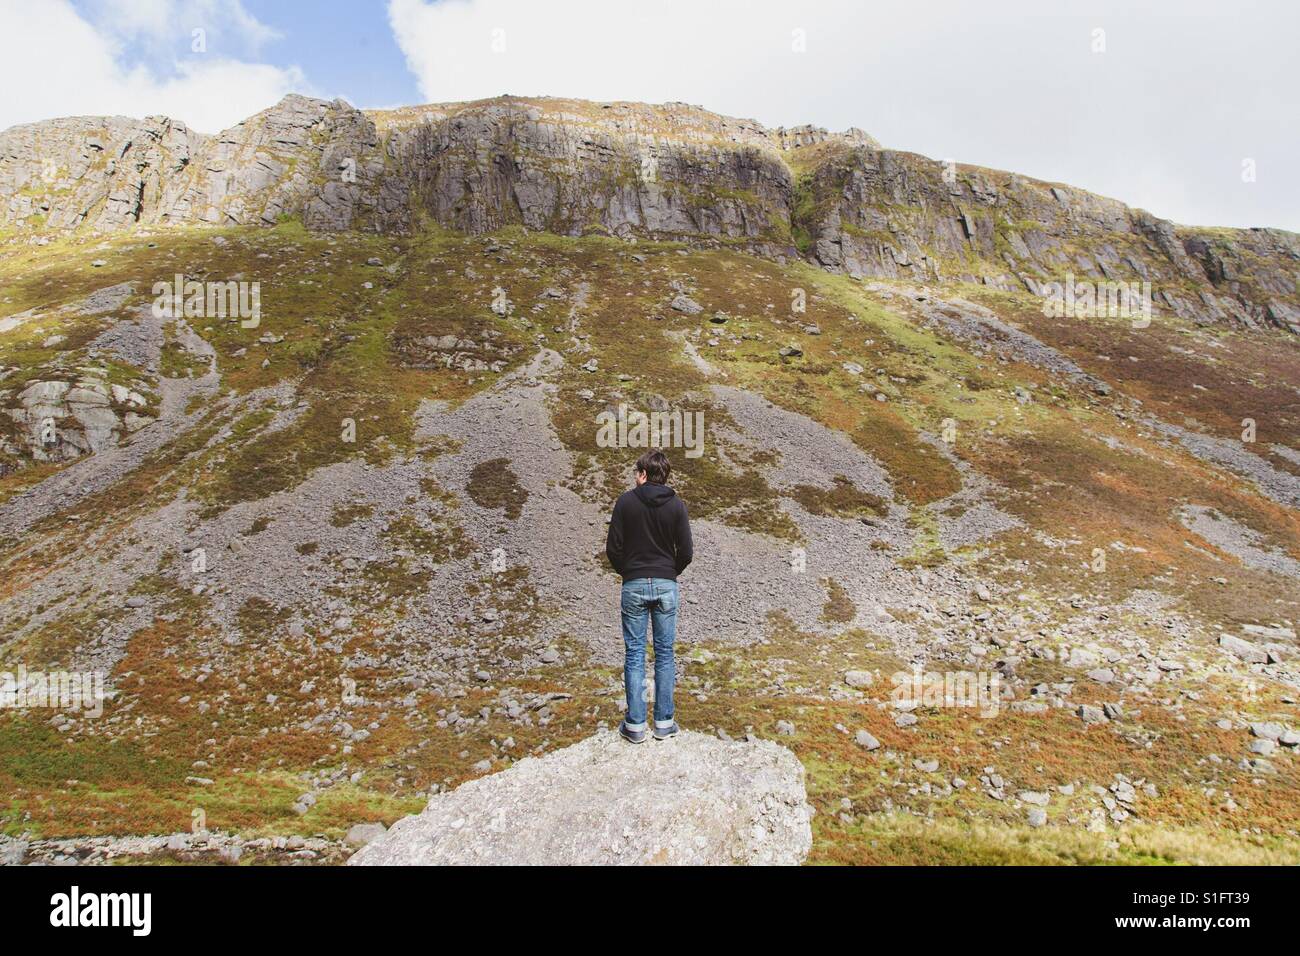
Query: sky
pixel 1187 108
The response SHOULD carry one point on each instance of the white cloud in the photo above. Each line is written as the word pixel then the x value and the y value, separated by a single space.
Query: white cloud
pixel 55 62
pixel 1185 90
pixel 159 23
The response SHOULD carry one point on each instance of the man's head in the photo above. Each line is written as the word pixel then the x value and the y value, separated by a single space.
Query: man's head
pixel 653 467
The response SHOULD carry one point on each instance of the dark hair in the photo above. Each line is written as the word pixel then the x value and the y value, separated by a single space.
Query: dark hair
pixel 655 465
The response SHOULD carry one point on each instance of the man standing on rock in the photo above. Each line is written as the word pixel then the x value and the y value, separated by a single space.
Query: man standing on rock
pixel 649 544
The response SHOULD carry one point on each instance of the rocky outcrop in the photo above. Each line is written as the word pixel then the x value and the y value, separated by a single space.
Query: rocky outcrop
pixel 561 165
pixel 628 169
pixel 885 214
pixel 61 410
pixel 59 420
pixel 577 167
pixel 304 157
pixel 693 799
pixel 103 172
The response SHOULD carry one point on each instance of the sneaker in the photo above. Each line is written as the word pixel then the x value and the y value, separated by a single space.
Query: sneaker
pixel 631 736
pixel 663 733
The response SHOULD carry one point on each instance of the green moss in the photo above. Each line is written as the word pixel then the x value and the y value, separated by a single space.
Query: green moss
pixel 839 607
pixel 179 362
pixel 804 212
pixel 345 515
pixel 843 500
pixel 493 485
pixel 32 754
pixel 439 538
pixel 259 525
pixel 927 549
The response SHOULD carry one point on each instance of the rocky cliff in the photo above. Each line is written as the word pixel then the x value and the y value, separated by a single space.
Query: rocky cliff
pixel 632 170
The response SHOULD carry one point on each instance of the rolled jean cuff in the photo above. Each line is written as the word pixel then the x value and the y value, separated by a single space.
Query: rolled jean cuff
pixel 634 727
pixel 663 724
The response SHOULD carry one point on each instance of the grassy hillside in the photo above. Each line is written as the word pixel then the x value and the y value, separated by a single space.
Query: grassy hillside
pixel 351 467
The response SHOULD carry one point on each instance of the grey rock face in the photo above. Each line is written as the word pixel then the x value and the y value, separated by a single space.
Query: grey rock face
pixel 105 172
pixel 1091 714
pixel 629 169
pixel 61 420
pixel 303 157
pixel 1263 747
pixel 690 800
pixel 686 305
pixel 569 166
pixel 865 739
pixel 12 851
pixel 361 834
pixel 1243 649
pixel 1029 232
pixel 1267 730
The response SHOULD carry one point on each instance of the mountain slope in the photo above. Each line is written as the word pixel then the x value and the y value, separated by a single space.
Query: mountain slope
pixel 626 169
pixel 353 553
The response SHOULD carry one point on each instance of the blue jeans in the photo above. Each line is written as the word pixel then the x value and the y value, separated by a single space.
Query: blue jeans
pixel 652 599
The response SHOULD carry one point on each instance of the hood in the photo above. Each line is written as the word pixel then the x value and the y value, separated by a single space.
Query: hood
pixel 652 495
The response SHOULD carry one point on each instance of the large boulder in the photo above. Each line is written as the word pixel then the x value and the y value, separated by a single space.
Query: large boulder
pixel 692 799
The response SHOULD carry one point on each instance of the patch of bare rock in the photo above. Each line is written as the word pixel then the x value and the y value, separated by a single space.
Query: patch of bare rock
pixel 692 799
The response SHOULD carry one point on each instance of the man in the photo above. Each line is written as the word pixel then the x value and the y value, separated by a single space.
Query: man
pixel 649 544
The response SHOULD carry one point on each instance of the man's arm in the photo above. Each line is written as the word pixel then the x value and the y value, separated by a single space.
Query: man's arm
pixel 614 539
pixel 682 537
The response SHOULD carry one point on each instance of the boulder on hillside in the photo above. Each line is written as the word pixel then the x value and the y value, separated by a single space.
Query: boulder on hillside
pixel 1243 649
pixel 693 799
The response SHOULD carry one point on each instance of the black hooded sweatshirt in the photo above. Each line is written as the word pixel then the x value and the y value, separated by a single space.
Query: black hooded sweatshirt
pixel 649 534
